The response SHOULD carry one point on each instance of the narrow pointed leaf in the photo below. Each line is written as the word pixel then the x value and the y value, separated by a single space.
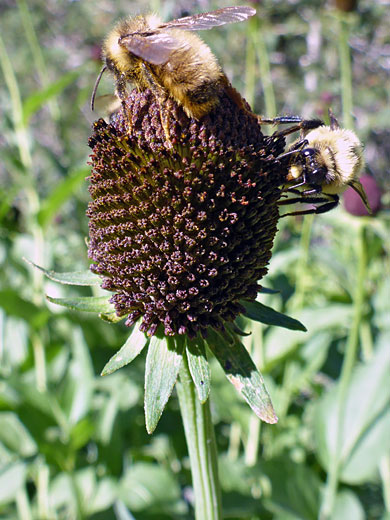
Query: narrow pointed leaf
pixel 265 290
pixel 243 374
pixel 61 193
pixel 39 98
pixel 199 367
pixel 98 304
pixel 69 278
pixel 163 362
pixel 130 350
pixel 259 312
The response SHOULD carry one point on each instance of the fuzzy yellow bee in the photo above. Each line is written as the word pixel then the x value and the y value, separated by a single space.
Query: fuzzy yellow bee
pixel 323 163
pixel 170 60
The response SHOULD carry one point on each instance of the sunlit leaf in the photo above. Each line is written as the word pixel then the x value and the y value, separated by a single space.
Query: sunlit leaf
pixel 199 367
pixel 15 436
pixel 98 304
pixel 163 363
pixel 70 278
pixel 129 351
pixel 12 478
pixel 79 382
pixel 259 312
pixel 243 374
pixel 366 420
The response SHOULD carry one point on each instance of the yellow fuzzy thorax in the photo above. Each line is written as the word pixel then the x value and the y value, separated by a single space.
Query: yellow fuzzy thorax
pixel 341 152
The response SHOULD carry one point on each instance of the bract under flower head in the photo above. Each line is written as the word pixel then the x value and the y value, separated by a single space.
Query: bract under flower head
pixel 182 231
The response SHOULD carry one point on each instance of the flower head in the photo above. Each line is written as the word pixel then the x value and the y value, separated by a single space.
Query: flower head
pixel 181 231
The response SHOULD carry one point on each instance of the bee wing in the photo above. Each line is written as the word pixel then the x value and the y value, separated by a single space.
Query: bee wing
pixel 204 21
pixel 154 48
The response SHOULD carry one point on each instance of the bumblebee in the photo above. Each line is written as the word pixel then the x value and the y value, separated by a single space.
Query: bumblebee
pixel 323 163
pixel 170 60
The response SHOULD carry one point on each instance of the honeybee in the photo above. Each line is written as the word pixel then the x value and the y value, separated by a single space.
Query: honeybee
pixel 326 160
pixel 171 61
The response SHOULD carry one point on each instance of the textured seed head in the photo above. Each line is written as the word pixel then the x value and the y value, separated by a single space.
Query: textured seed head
pixel 182 232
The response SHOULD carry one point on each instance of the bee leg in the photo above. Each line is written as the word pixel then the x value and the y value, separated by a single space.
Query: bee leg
pixel 334 124
pixel 121 92
pixel 327 203
pixel 296 148
pixel 161 95
pixel 303 125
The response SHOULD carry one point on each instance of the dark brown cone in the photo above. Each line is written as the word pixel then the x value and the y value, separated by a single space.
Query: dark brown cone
pixel 181 234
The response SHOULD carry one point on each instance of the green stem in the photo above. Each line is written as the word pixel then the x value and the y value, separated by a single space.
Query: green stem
pixel 22 505
pixel 199 432
pixel 36 51
pixel 250 63
pixel 33 203
pixel 256 45
pixel 345 70
pixel 235 433
pixel 265 71
pixel 384 470
pixel 336 460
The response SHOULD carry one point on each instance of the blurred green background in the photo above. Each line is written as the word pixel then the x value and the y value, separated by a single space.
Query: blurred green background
pixel 73 445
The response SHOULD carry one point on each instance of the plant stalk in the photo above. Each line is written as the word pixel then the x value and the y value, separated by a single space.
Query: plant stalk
pixel 199 432
pixel 335 466
pixel 345 70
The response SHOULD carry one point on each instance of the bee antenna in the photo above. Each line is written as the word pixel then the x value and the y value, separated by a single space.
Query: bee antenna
pixel 96 87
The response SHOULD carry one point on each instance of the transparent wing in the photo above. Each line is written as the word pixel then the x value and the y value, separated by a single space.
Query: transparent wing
pixel 203 21
pixel 154 48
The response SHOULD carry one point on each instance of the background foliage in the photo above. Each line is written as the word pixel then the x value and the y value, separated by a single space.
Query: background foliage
pixel 73 445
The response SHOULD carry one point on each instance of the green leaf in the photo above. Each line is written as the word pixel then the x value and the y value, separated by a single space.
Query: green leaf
pixel 265 290
pixel 98 304
pixel 111 318
pixel 199 367
pixel 366 421
pixel 79 382
pixel 70 278
pixel 129 351
pixel 15 436
pixel 36 100
pixel 146 485
pixel 259 312
pixel 12 479
pixel 163 363
pixel 60 195
pixel 96 495
pixel 14 305
pixel 243 374
pixel 348 506
pixel 296 488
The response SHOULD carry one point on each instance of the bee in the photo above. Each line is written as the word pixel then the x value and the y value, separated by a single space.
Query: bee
pixel 170 60
pixel 325 161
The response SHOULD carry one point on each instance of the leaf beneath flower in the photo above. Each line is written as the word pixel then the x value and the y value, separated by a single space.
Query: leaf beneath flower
pixel 129 351
pixel 243 374
pixel 163 363
pixel 70 278
pixel 259 312
pixel 199 367
pixel 98 304
pixel 265 290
